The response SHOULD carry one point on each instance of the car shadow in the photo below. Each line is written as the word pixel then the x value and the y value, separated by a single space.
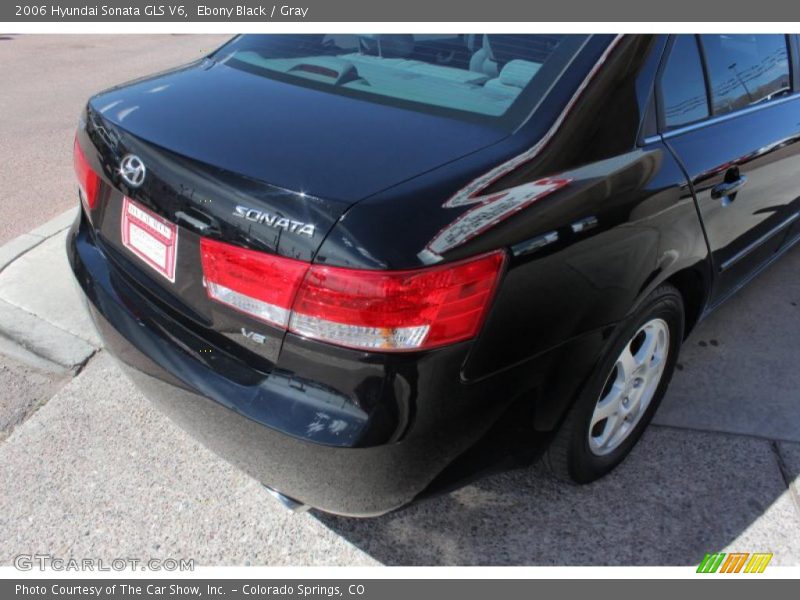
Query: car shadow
pixel 679 495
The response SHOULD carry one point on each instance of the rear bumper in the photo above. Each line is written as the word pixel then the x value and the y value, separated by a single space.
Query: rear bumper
pixel 277 426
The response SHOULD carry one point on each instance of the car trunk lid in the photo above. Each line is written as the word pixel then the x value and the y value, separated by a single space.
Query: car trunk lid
pixel 220 164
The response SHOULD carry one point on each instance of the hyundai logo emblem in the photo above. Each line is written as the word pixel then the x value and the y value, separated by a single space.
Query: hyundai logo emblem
pixel 132 170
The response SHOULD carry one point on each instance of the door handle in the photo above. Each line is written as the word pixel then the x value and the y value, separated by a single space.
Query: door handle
pixel 728 188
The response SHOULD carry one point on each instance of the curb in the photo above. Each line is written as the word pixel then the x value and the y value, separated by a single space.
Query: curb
pixel 15 248
pixel 31 338
pixel 24 335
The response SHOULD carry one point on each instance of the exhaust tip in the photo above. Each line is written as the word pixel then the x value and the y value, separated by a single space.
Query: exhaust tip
pixel 286 502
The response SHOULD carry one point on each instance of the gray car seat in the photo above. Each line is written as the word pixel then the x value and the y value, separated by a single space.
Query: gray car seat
pixel 482 60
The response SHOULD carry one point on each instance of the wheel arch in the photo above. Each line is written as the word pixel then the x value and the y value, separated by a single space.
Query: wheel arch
pixel 694 286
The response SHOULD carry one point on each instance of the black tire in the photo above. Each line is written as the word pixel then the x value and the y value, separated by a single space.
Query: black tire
pixel 569 456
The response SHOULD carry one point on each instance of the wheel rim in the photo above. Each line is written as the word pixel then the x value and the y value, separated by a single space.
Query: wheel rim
pixel 630 387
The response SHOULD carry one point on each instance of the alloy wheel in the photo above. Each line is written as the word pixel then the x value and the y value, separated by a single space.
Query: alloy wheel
pixel 630 387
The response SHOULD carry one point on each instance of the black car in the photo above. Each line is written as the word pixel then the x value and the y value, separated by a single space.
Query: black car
pixel 363 266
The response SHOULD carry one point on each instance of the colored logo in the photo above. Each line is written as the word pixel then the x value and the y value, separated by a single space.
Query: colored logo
pixel 735 562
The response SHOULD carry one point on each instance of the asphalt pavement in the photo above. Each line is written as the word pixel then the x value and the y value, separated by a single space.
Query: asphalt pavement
pixel 88 468
pixel 46 80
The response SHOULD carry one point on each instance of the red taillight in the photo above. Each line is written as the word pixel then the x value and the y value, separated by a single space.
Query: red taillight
pixel 88 180
pixel 396 310
pixel 369 310
pixel 261 285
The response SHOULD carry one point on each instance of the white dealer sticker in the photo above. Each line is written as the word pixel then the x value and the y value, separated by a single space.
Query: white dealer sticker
pixel 150 237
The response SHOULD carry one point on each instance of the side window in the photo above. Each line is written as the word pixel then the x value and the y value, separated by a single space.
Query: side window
pixel 745 69
pixel 683 86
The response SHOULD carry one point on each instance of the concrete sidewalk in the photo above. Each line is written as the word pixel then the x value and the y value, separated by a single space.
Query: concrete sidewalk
pixel 42 320
pixel 95 471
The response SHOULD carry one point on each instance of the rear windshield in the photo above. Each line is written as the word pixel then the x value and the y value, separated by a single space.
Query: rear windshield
pixel 495 77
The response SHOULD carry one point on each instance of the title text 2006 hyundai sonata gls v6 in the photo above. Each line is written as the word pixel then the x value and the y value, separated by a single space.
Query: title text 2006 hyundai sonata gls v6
pixel 359 265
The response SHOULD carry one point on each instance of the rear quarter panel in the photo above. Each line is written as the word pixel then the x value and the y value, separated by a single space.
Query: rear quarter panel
pixel 646 230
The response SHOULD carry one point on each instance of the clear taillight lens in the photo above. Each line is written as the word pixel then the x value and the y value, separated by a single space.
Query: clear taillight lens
pixel 368 310
pixel 88 180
